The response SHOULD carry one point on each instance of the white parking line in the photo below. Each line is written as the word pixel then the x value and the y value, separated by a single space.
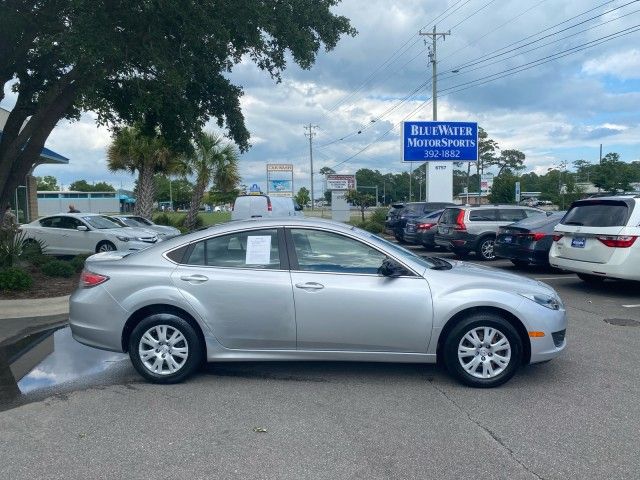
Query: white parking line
pixel 631 306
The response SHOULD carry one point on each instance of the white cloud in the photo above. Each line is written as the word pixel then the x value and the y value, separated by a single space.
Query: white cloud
pixel 624 65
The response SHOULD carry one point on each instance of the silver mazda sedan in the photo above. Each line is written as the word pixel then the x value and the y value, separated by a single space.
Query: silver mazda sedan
pixel 303 289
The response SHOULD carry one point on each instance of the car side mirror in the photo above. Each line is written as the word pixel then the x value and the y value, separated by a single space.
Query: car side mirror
pixel 82 228
pixel 391 269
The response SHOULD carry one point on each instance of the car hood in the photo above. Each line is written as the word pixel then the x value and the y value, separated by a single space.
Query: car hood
pixel 470 274
pixel 129 232
pixel 164 229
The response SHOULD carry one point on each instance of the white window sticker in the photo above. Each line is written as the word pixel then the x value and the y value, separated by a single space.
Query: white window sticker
pixel 258 250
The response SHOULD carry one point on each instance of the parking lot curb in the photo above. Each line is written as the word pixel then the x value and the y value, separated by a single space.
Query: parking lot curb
pixel 19 318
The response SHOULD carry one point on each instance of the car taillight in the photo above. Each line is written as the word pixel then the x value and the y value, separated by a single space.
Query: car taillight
pixel 425 226
pixel 618 241
pixel 269 208
pixel 557 236
pixel 460 221
pixel 89 279
pixel 536 236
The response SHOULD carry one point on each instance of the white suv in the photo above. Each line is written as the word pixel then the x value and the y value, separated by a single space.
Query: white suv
pixel 598 239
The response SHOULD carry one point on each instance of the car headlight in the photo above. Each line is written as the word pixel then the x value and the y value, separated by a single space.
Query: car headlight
pixel 122 239
pixel 550 301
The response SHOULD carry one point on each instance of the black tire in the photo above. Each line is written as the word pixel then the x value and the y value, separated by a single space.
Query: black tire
pixel 481 320
pixel 520 263
pixel 195 349
pixel 591 279
pixel 400 239
pixel 485 250
pixel 105 246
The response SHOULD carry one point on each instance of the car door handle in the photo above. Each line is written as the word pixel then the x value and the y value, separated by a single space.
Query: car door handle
pixel 194 278
pixel 310 286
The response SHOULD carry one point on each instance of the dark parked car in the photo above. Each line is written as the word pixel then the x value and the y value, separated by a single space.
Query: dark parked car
pixel 421 231
pixel 528 241
pixel 392 215
pixel 411 211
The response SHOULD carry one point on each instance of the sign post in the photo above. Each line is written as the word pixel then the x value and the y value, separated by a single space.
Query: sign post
pixel 339 185
pixel 517 192
pixel 440 144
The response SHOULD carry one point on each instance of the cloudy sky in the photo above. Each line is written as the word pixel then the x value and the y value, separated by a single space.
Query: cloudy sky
pixel 553 78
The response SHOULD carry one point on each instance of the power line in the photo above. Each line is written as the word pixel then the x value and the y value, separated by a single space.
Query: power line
pixel 471 15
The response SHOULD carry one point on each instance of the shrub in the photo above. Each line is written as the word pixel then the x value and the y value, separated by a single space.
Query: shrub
pixel 14 278
pixel 162 219
pixel 379 215
pixel 58 268
pixel 39 260
pixel 77 262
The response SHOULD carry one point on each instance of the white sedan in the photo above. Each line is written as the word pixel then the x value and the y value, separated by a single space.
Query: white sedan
pixel 78 233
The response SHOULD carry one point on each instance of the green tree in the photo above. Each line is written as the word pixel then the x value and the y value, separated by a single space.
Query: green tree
pixel 361 200
pixel 612 174
pixel 181 190
pixel 327 171
pixel 164 65
pixel 584 170
pixel 504 188
pixel 48 182
pixel 510 160
pixel 303 196
pixel 212 159
pixel 487 155
pixel 133 151
pixel 84 186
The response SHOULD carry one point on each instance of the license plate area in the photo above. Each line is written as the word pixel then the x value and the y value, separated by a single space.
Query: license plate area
pixel 507 239
pixel 578 242
pixel 443 230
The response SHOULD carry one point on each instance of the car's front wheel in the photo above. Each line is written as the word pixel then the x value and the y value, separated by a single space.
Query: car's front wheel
pixel 165 348
pixel 483 350
pixel 105 246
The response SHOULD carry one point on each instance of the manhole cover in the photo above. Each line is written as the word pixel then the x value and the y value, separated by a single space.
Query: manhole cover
pixel 623 322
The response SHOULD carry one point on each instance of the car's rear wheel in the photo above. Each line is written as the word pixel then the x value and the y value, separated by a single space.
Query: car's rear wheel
pixel 593 279
pixel 486 248
pixel 484 350
pixel 520 263
pixel 105 246
pixel 165 348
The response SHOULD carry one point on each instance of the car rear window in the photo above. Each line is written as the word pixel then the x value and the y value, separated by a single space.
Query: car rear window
pixel 413 208
pixel 511 214
pixel 483 215
pixel 602 213
pixel 450 215
pixel 540 221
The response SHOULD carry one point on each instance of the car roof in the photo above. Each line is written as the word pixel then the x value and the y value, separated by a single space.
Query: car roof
pixel 478 207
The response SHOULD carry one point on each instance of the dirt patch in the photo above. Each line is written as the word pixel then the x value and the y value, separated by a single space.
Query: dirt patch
pixel 43 286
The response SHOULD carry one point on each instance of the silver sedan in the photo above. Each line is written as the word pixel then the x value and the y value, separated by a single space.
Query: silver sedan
pixel 299 289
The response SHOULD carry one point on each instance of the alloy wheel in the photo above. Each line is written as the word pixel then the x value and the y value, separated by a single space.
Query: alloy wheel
pixel 484 352
pixel 163 349
pixel 486 249
pixel 106 247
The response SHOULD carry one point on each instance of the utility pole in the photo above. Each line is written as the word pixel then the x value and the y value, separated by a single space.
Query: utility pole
pixel 310 133
pixel 434 82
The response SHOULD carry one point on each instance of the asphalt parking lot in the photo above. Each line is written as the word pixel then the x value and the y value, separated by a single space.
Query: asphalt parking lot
pixel 577 416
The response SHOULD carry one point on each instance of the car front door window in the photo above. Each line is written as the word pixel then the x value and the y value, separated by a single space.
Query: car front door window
pixel 318 251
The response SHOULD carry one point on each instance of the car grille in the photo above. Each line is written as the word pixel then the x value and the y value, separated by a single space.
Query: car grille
pixel 558 337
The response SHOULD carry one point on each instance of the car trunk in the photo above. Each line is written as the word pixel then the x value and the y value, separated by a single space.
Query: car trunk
pixel 585 224
pixel 448 219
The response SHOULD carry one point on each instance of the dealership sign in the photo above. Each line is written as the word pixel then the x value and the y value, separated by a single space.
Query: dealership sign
pixel 280 179
pixel 279 167
pixel 341 182
pixel 439 141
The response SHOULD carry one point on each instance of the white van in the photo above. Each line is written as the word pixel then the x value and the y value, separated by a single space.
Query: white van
pixel 260 206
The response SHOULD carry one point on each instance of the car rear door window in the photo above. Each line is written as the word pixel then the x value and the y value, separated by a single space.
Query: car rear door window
pixel 601 213
pixel 511 214
pixel 449 216
pixel 252 249
pixel 318 251
pixel 483 215
pixel 52 222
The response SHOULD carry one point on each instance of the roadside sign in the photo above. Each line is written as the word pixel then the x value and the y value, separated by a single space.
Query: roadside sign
pixel 280 179
pixel 439 141
pixel 279 167
pixel 254 188
pixel 486 182
pixel 518 192
pixel 341 182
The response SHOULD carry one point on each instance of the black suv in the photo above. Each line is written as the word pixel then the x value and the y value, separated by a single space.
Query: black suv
pixel 397 218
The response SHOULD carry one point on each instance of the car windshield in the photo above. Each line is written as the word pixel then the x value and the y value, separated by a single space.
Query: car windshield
pixel 140 220
pixel 132 222
pixel 395 248
pixel 100 222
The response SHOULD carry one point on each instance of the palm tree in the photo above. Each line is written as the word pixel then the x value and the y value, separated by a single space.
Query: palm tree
pixel 211 160
pixel 133 151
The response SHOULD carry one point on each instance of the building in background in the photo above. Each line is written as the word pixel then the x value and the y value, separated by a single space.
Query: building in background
pixel 25 201
pixel 50 203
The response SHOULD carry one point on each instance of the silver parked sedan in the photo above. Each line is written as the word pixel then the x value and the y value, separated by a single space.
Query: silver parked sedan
pixel 294 289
